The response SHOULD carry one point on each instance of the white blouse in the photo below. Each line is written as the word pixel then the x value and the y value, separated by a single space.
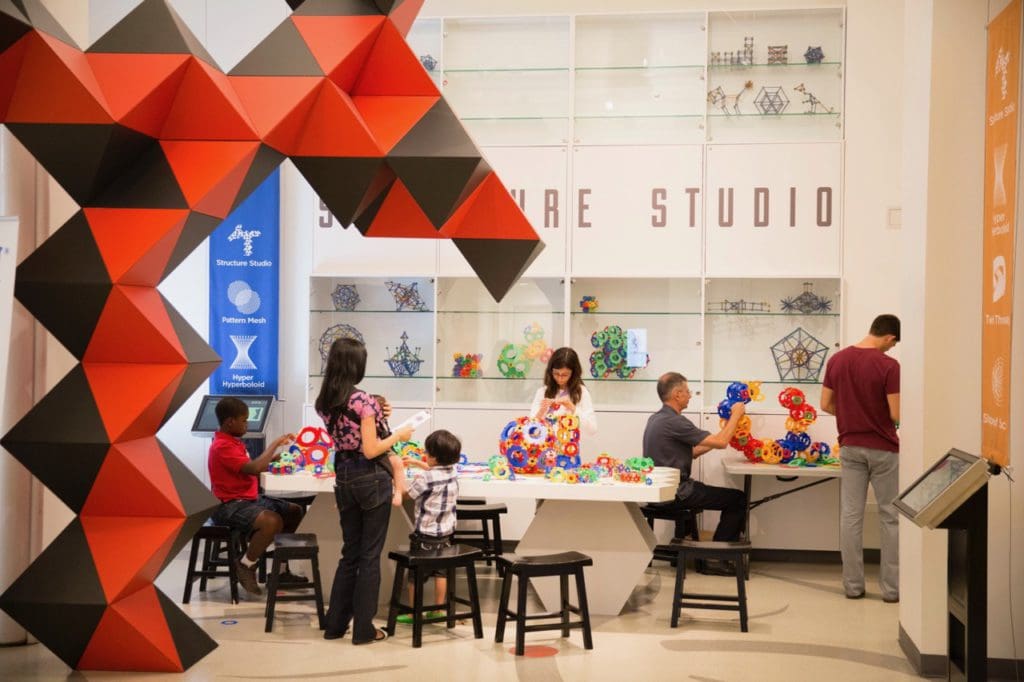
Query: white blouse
pixel 584 410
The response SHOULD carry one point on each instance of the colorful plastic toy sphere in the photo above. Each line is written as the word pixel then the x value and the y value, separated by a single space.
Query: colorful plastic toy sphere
pixel 588 304
pixel 533 445
pixel 533 332
pixel 791 397
pixel 467 365
pixel 610 358
pixel 512 362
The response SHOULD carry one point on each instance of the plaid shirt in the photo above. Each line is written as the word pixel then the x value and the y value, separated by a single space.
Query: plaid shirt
pixel 435 491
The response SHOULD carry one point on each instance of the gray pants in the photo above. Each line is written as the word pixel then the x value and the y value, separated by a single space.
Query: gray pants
pixel 882 469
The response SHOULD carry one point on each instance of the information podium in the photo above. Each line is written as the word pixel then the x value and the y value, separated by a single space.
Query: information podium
pixel 953 494
pixel 255 438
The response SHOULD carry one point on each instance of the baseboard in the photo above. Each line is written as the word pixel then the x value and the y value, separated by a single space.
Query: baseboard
pixel 809 556
pixel 926 665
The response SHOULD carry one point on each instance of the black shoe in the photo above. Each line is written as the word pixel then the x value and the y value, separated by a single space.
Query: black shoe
pixel 332 634
pixel 717 568
pixel 289 578
pixel 891 600
pixel 379 636
pixel 859 595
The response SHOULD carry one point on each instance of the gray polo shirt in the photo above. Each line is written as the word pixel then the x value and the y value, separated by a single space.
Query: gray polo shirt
pixel 669 439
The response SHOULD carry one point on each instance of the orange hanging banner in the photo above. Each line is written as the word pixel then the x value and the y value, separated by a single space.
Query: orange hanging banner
pixel 1001 117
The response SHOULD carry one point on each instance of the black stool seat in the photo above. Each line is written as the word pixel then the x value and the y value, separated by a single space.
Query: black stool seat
pixel 487 539
pixel 294 547
pixel 562 565
pixel 734 552
pixel 222 547
pixel 420 564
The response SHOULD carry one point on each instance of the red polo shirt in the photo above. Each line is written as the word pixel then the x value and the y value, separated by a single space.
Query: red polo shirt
pixel 227 457
pixel 861 380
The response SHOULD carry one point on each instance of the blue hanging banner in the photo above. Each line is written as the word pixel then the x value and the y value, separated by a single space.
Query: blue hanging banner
pixel 244 292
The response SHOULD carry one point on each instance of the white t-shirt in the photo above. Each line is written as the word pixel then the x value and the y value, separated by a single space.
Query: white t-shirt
pixel 584 410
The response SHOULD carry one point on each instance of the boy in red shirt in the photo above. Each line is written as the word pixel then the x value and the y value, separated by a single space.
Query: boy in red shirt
pixel 234 480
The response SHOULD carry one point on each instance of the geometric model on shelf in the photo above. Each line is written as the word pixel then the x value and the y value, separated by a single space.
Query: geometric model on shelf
pixel 739 306
pixel 428 62
pixel 588 304
pixel 144 129
pixel 807 303
pixel 747 56
pixel 332 334
pixel 611 357
pixel 771 100
pixel 778 54
pixel 812 100
pixel 515 360
pixel 743 57
pixel 718 98
pixel 407 296
pixel 467 365
pixel 345 297
pixel 404 362
pixel 799 356
pixel 814 55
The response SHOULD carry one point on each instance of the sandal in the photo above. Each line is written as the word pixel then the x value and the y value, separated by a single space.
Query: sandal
pixel 379 637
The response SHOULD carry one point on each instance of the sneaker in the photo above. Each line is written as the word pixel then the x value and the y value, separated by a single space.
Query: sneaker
pixel 406 618
pixel 247 578
pixel 859 595
pixel 289 578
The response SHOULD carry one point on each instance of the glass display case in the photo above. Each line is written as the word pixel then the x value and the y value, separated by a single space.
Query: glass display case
pixel 777 331
pixel 508 79
pixel 494 354
pixel 628 332
pixel 394 317
pixel 639 79
pixel 775 75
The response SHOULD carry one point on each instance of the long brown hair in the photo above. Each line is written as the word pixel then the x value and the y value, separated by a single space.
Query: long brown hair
pixel 564 358
pixel 346 366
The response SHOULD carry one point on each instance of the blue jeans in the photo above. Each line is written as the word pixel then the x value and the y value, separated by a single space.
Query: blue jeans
pixel 364 507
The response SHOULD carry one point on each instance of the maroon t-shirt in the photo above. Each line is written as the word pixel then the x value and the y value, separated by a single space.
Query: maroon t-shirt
pixel 861 379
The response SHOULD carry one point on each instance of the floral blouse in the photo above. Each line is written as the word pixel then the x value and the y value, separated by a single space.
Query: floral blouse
pixel 346 430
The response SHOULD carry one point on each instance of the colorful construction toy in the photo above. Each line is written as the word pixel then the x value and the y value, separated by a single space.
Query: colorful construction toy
pixel 467 365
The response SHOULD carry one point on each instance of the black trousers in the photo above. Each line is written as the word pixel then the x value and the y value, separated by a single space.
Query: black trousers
pixel 731 502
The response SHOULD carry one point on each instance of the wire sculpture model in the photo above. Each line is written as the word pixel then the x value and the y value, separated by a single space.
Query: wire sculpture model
pixel 812 101
pixel 332 334
pixel 814 55
pixel 407 296
pixel 771 100
pixel 778 54
pixel 345 297
pixel 724 102
pixel 807 302
pixel 404 362
pixel 739 306
pixel 799 356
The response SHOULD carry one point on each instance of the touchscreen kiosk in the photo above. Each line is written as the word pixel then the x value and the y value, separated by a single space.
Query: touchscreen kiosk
pixel 943 488
pixel 206 422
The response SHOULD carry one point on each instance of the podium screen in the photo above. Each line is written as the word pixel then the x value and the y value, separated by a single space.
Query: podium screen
pixel 259 409
pixel 943 488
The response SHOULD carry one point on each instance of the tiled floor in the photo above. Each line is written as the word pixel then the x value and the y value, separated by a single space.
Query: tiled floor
pixel 801 628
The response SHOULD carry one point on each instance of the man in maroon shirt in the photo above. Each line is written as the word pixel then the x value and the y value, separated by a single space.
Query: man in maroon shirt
pixel 234 480
pixel 862 389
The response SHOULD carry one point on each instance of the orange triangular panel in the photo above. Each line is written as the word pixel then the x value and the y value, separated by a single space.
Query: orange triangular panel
pixel 207 108
pixel 126 236
pixel 390 118
pixel 489 212
pixel 334 128
pixel 392 68
pixel 340 45
pixel 139 88
pixel 404 15
pixel 210 173
pixel 56 85
pixel 132 399
pixel 134 481
pixel 134 327
pixel 11 61
pixel 133 635
pixel 277 105
pixel 401 216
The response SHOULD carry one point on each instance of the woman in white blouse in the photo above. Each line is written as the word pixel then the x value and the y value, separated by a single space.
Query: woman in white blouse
pixel 564 393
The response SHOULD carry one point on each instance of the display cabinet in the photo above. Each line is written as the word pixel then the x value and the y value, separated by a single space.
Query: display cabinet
pixel 508 79
pixel 494 354
pixel 394 317
pixel 775 75
pixel 662 317
pixel 639 79
pixel 426 41
pixel 778 331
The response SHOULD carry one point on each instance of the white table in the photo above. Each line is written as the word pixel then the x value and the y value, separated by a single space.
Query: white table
pixel 602 520
pixel 736 464
pixel 322 518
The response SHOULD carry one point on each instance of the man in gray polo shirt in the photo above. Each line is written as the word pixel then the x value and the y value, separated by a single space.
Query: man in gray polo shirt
pixel 672 440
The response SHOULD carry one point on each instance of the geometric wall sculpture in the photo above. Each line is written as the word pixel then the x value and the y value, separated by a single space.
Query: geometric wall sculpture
pixel 157 146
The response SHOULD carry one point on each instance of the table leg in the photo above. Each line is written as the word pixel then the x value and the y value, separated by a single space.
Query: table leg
pixel 747 488
pixel 614 534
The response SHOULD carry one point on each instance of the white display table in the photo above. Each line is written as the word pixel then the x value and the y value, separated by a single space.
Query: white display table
pixel 602 520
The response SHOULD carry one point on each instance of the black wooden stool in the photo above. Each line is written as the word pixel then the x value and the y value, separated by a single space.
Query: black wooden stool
pixel 216 541
pixel 294 547
pixel 735 553
pixel 420 564
pixel 652 512
pixel 489 540
pixel 525 567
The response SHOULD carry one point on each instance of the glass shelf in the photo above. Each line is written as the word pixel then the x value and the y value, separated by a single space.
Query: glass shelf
pixel 634 312
pixel 514 118
pixel 359 312
pixel 640 67
pixel 759 115
pixel 769 314
pixel 510 69
pixel 499 312
pixel 381 376
pixel 611 116
pixel 716 67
